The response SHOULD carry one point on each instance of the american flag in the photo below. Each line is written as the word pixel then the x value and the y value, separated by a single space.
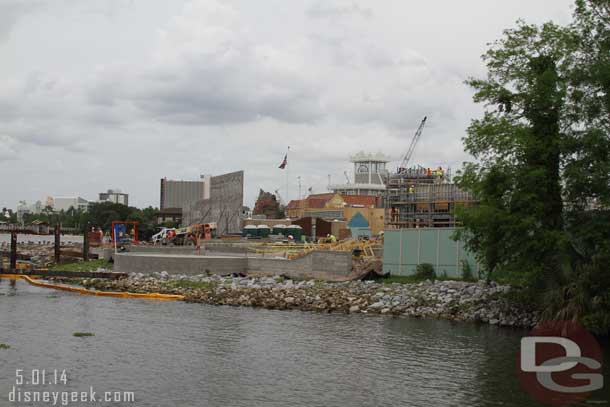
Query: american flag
pixel 284 162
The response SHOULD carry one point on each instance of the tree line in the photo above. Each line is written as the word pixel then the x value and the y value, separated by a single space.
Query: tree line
pixel 542 169
pixel 100 215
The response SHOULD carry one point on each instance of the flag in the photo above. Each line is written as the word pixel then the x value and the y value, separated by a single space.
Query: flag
pixel 284 162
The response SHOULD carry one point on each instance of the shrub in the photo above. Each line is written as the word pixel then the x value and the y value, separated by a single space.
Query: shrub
pixel 425 271
pixel 467 274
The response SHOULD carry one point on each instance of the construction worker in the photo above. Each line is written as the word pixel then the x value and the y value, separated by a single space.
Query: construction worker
pixel 411 189
pixel 333 239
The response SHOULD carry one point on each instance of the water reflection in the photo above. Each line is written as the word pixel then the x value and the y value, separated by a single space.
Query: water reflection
pixel 173 353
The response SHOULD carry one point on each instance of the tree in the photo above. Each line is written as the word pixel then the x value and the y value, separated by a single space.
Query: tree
pixel 542 174
pixel 518 227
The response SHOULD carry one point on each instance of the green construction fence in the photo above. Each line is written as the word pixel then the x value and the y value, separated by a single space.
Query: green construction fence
pixel 404 249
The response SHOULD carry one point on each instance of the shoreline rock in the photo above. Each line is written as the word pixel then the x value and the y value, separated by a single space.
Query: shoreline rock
pixel 452 300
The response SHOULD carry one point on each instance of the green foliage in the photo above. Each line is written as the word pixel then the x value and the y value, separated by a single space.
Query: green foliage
pixel 542 175
pixel 91 265
pixel 82 334
pixel 425 271
pixel 401 279
pixel 467 274
pixel 189 284
pixel 101 215
pixel 4 346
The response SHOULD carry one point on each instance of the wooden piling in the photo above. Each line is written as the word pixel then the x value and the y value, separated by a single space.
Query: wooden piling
pixel 13 256
pixel 57 243
pixel 86 243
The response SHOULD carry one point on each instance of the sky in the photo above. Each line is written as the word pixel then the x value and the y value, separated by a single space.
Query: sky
pixel 104 94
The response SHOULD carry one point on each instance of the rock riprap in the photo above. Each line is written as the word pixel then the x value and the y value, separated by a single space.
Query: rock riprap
pixel 453 300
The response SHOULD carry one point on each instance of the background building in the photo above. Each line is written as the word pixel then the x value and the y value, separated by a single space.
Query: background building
pixel 178 195
pixel 114 196
pixel 63 203
pixel 223 205
pixel 338 207
pixel 369 177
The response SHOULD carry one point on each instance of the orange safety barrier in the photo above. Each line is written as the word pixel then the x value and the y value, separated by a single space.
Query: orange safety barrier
pixel 152 296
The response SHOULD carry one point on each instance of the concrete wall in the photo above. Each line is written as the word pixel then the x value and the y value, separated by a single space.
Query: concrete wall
pixel 404 249
pixel 171 250
pixel 190 265
pixel 224 205
pixel 324 265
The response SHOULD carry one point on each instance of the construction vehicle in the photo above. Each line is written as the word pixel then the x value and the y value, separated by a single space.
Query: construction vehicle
pixel 192 235
pixel 162 236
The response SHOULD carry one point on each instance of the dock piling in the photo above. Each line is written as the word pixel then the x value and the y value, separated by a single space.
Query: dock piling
pixel 13 256
pixel 57 243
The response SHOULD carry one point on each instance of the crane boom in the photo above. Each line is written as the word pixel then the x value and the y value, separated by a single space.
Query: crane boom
pixel 407 157
pixel 346 177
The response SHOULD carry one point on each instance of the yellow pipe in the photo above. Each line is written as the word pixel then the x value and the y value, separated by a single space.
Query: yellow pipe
pixel 154 296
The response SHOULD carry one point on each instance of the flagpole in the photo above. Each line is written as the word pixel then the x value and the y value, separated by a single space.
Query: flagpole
pixel 287 172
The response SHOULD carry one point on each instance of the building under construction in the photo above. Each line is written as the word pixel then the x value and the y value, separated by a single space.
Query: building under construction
pixel 421 197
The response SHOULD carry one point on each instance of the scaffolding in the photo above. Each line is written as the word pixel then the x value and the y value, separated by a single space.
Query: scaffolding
pixel 423 198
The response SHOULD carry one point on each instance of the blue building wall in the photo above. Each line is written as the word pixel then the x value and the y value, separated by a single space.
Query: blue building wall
pixel 404 249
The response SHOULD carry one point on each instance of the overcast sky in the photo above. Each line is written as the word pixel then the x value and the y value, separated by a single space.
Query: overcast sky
pixel 120 93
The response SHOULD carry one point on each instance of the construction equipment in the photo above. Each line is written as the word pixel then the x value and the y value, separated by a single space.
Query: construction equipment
pixel 407 157
pixel 346 177
pixel 191 235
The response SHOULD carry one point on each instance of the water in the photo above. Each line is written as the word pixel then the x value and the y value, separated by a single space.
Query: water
pixel 178 354
pixel 22 238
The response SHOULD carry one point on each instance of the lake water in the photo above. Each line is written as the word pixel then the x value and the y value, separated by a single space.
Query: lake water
pixel 6 238
pixel 179 354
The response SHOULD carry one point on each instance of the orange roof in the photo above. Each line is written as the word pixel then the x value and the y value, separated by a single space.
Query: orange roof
pixel 295 203
pixel 316 203
pixel 364 200
pixel 326 196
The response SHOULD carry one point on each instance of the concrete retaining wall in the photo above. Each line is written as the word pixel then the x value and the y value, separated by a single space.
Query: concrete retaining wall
pixel 321 265
pixel 171 250
pixel 179 264
pixel 324 265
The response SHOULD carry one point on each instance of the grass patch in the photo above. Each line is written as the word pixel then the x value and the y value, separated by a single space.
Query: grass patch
pixel 83 334
pixel 402 279
pixel 188 284
pixel 413 279
pixel 4 346
pixel 81 266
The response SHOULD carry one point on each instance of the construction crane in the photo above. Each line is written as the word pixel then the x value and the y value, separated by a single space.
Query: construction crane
pixel 407 157
pixel 346 177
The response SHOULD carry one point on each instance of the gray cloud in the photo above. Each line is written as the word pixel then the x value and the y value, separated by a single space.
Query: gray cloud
pixel 322 9
pixel 204 86
pixel 11 11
